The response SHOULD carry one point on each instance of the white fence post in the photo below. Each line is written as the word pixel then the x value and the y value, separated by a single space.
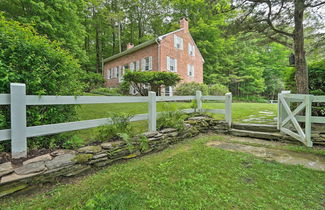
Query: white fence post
pixel 309 100
pixel 228 109
pixel 152 111
pixel 281 113
pixel 199 100
pixel 18 120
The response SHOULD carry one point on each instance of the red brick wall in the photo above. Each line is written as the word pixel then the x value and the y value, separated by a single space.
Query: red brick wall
pixel 166 49
pixel 183 58
pixel 151 50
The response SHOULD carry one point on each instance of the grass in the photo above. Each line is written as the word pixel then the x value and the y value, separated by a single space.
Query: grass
pixel 189 175
pixel 241 111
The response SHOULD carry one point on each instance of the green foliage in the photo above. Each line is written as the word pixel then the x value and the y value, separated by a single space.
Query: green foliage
pixel 153 78
pixel 92 81
pixel 127 139
pixel 2 121
pixel 143 143
pixel 124 87
pixel 73 143
pixel 46 69
pixel 120 126
pixel 106 91
pixel 172 118
pixel 317 77
pixel 218 90
pixel 58 20
pixel 189 89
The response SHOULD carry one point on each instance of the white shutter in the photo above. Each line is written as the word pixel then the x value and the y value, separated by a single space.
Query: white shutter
pixel 132 67
pixel 181 43
pixel 175 62
pixel 168 63
pixel 193 49
pixel 137 65
pixel 150 63
pixel 175 41
pixel 188 69
pixel 115 72
pixel 189 48
pixel 108 73
pixel 143 64
pixel 192 70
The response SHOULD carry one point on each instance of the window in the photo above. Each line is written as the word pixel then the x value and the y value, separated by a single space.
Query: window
pixel 109 74
pixel 115 72
pixel 118 72
pixel 147 64
pixel 137 65
pixel 190 70
pixel 171 64
pixel 168 91
pixel 178 42
pixel 191 49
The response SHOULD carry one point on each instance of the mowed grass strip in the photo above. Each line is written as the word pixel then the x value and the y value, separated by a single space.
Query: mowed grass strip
pixel 241 111
pixel 189 175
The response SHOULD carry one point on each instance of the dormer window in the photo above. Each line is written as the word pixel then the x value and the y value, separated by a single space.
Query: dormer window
pixel 191 49
pixel 178 42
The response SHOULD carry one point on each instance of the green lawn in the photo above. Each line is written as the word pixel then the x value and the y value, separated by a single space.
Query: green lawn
pixel 241 112
pixel 189 175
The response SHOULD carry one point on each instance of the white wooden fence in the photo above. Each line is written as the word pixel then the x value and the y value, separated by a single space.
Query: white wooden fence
pixel 286 115
pixel 18 100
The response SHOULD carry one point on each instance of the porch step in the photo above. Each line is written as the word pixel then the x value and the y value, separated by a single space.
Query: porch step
pixel 257 134
pixel 255 127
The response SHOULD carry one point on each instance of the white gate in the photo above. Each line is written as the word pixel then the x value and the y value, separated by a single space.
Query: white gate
pixel 286 115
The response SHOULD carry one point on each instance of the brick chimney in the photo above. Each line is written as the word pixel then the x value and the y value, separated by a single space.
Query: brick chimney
pixel 184 24
pixel 129 46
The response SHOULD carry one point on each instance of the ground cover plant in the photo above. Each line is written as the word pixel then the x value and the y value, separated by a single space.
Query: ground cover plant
pixel 188 175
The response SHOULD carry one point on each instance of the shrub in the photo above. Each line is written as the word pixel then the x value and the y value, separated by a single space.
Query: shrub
pixel 189 89
pixel 45 68
pixel 124 88
pixel 120 124
pixel 153 78
pixel 217 90
pixel 73 143
pixel 92 81
pixel 172 118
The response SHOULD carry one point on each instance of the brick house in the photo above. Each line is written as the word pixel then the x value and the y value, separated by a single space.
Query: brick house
pixel 175 52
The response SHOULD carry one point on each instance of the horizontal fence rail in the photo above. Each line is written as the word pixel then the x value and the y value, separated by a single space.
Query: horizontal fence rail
pixel 18 101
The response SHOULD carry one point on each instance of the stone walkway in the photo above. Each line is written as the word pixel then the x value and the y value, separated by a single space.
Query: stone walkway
pixel 282 156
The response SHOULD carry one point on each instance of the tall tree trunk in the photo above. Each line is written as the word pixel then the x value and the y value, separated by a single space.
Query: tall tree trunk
pixel 98 51
pixel 300 54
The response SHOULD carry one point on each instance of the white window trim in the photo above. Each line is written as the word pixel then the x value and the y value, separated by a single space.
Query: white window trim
pixel 180 41
pixel 191 49
pixel 190 70
pixel 169 62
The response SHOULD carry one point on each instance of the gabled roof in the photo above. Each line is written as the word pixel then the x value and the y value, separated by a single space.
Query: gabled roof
pixel 145 44
pixel 133 49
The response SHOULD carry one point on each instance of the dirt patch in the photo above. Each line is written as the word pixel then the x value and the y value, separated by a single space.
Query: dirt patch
pixel 281 156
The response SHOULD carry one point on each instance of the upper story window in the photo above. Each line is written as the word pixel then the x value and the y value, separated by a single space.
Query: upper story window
pixel 191 49
pixel 190 70
pixel 171 64
pixel 147 64
pixel 178 42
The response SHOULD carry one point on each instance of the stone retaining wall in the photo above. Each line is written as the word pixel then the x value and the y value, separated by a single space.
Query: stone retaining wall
pixel 67 163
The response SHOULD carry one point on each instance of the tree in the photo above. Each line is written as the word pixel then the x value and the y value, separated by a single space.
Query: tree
pixel 284 21
pixel 154 79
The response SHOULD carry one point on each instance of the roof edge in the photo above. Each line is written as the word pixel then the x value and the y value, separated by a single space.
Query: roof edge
pixel 126 52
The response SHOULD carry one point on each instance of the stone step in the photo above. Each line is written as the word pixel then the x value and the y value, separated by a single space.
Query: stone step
pixel 257 134
pixel 255 127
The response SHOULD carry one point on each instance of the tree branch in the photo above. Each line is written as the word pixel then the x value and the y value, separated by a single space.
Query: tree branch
pixel 269 21
pixel 315 5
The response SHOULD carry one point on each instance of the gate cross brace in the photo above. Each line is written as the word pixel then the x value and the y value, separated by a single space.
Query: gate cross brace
pixel 292 118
